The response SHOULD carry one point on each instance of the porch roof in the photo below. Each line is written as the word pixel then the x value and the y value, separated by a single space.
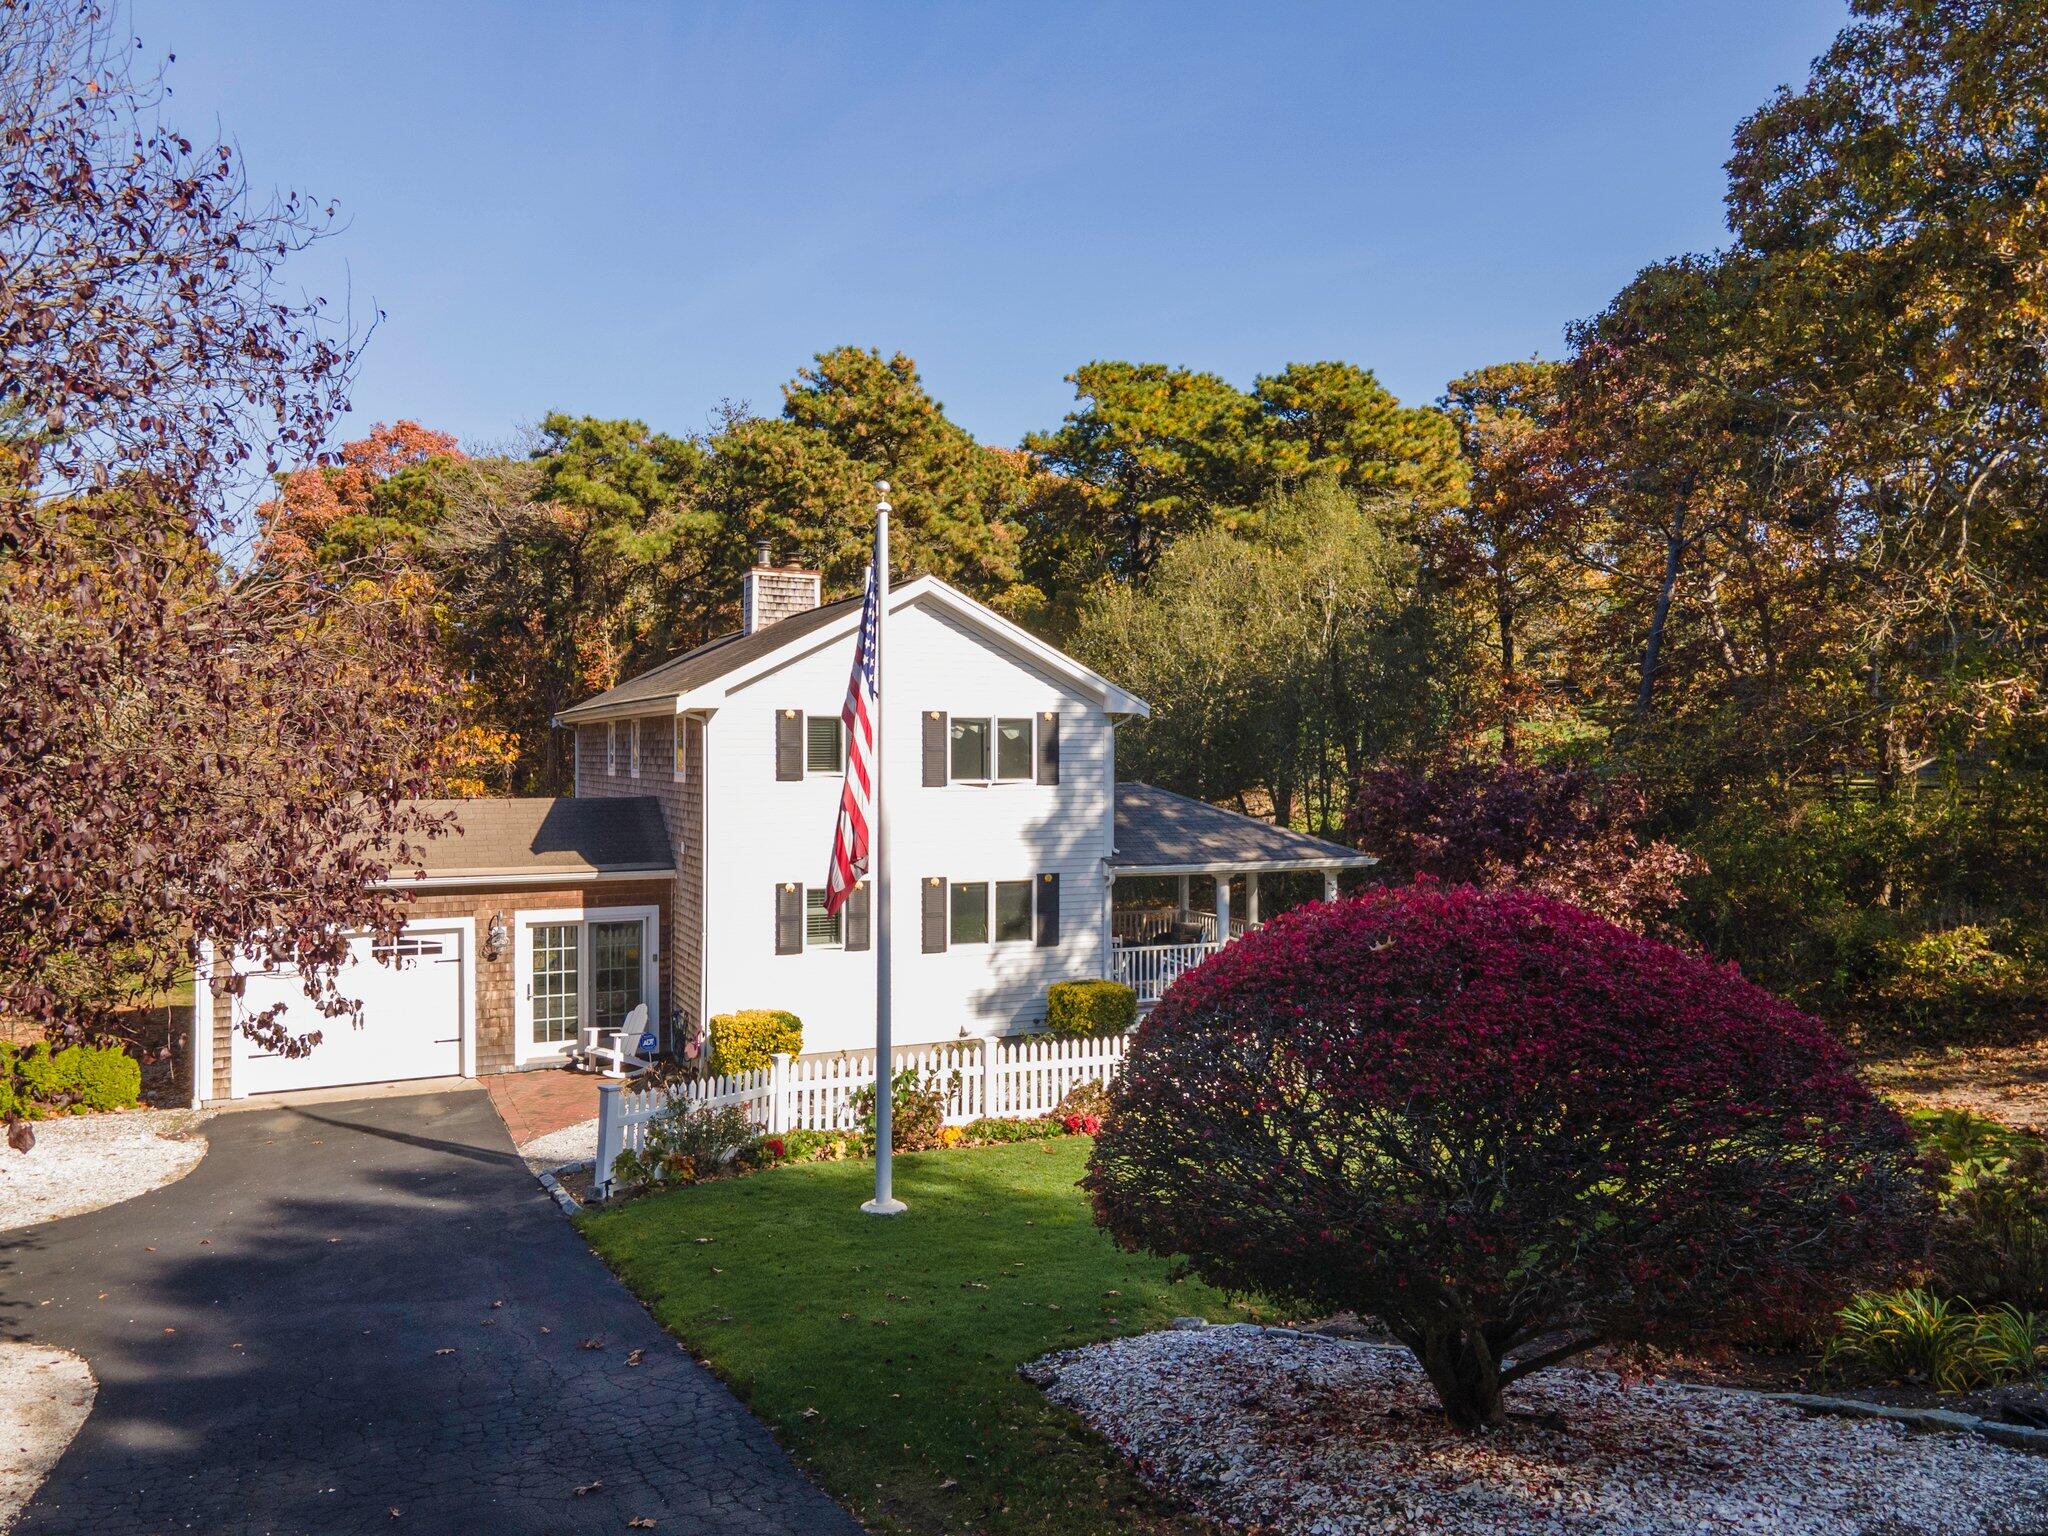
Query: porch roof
pixel 1161 833
pixel 556 839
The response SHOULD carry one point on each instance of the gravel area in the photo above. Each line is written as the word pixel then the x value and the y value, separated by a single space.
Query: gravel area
pixel 1294 1435
pixel 571 1144
pixel 82 1162
pixel 45 1394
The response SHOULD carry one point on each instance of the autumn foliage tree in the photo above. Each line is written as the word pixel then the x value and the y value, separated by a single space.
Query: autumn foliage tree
pixel 186 751
pixel 1506 1128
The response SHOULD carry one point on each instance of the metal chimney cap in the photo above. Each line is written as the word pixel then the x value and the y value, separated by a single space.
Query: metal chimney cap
pixel 761 556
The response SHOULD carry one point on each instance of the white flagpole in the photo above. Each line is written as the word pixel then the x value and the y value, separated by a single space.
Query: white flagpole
pixel 885 1202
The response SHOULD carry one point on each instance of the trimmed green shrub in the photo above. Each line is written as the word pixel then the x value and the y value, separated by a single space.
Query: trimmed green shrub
pixel 35 1073
pixel 102 1076
pixel 1077 1008
pixel 746 1040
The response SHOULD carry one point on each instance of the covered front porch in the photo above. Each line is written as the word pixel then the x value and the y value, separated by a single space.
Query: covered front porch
pixel 1188 877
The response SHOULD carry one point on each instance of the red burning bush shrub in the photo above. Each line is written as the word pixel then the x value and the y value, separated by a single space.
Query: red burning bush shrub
pixel 1507 1128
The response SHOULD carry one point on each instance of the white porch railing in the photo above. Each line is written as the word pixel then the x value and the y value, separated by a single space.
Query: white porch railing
pixel 1003 1079
pixel 1149 969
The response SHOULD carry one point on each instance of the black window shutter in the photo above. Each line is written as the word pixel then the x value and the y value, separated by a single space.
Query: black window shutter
pixel 1048 911
pixel 934 893
pixel 789 744
pixel 934 747
pixel 857 917
pixel 1048 747
pixel 789 919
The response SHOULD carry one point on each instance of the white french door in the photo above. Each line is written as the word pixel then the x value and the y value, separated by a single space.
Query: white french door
pixel 578 970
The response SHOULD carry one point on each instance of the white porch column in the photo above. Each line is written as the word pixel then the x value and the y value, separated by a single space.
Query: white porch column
pixel 1182 911
pixel 1223 909
pixel 1251 899
pixel 1329 885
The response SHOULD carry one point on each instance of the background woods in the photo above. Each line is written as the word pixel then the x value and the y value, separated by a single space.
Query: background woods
pixel 1736 604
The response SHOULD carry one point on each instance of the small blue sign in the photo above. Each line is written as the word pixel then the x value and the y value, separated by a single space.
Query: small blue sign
pixel 648 1044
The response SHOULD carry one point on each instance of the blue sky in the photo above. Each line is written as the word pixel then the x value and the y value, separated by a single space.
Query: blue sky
pixel 640 210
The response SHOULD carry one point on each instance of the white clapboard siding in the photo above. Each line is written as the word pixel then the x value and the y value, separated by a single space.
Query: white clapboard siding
pixel 984 1078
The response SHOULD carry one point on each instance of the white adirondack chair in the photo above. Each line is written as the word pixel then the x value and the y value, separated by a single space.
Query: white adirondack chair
pixel 616 1046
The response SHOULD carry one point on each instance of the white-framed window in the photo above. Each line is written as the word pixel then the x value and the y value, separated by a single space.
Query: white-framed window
pixel 633 747
pixel 968 918
pixel 679 748
pixel 611 747
pixel 992 749
pixel 1013 916
pixel 822 929
pixel 824 744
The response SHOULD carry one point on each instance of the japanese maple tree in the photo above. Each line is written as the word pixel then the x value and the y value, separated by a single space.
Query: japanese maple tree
pixel 1505 1127
pixel 1559 829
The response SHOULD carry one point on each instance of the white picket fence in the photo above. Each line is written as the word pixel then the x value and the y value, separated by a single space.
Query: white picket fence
pixel 982 1078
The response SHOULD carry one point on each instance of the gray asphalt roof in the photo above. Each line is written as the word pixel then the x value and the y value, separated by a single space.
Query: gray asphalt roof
pixel 550 835
pixel 1157 829
pixel 708 662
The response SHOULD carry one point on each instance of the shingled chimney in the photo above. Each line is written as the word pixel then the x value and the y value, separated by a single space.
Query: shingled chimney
pixel 774 592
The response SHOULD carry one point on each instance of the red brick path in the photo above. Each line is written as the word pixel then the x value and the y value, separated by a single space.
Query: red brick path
pixel 534 1103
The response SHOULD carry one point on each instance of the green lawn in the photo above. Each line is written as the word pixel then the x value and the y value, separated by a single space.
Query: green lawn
pixel 883 1353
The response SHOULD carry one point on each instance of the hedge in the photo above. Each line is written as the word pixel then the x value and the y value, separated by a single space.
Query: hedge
pixel 34 1081
pixel 1090 1008
pixel 744 1041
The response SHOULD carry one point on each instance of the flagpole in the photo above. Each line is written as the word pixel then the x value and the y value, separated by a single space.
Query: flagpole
pixel 885 1202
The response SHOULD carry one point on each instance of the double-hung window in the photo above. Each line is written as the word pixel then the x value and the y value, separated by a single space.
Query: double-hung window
pixel 633 747
pixel 824 744
pixel 822 929
pixel 970 912
pixel 991 751
pixel 679 756
pixel 1013 912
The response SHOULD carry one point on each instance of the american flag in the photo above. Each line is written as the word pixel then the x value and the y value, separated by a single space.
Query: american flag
pixel 856 801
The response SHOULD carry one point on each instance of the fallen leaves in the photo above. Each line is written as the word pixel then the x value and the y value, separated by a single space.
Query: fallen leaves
pixel 590 1487
pixel 634 1357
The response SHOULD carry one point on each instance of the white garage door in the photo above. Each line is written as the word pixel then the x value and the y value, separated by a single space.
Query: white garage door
pixel 412 994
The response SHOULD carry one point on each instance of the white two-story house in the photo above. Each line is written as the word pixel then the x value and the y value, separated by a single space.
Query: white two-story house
pixel 687 872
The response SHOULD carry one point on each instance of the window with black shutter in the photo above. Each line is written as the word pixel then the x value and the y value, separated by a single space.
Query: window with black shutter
pixel 1049 747
pixel 934 748
pixel 789 744
pixel 1048 911
pixel 932 891
pixel 858 919
pixel 789 918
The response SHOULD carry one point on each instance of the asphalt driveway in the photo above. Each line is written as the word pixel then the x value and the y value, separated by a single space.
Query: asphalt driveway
pixel 368 1317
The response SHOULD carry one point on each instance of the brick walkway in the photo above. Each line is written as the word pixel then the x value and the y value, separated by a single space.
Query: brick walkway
pixel 534 1104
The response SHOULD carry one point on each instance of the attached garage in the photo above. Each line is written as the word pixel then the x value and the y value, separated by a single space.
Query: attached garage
pixel 415 1021
pixel 535 920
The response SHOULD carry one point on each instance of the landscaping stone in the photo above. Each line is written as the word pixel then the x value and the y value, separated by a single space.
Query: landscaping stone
pixel 45 1394
pixel 1303 1435
pixel 82 1162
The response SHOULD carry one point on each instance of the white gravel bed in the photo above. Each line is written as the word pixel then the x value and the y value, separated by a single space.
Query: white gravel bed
pixel 45 1394
pixel 82 1162
pixel 571 1144
pixel 1306 1436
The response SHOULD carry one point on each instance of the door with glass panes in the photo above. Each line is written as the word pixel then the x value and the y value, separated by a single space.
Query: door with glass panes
pixel 579 971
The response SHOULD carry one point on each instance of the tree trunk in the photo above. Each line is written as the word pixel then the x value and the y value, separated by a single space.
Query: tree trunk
pixel 1504 616
pixel 1466 1377
pixel 1674 551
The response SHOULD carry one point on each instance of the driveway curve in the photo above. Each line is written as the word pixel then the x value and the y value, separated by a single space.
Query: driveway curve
pixel 368 1317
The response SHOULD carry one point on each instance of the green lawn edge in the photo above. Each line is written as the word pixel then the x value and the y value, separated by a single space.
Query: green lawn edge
pixel 883 1352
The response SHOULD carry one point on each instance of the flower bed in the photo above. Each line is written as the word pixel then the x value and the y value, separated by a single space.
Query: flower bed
pixel 1299 1435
